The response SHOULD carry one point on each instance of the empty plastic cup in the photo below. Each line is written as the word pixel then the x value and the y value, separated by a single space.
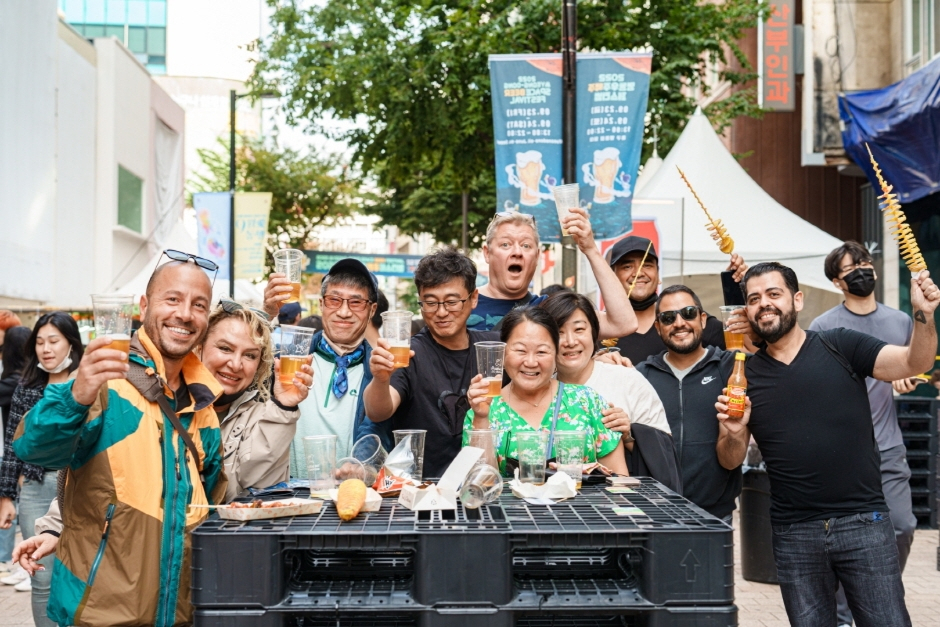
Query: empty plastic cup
pixel 415 439
pixel 530 451
pixel 569 454
pixel 320 453
pixel 566 199
pixel 483 484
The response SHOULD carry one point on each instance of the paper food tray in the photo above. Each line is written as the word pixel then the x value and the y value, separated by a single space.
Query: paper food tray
pixel 293 507
pixel 373 500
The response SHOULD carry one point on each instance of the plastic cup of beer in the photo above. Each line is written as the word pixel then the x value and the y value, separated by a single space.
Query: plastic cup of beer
pixel 530 451
pixel 290 262
pixel 396 330
pixel 490 356
pixel 294 347
pixel 415 438
pixel 114 315
pixel 320 454
pixel 566 199
pixel 569 454
pixel 733 341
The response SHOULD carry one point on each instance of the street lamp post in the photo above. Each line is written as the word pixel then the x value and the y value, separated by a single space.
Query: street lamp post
pixel 569 44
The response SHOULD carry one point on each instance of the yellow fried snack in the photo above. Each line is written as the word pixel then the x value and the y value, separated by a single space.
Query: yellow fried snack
pixel 611 341
pixel 718 231
pixel 350 498
pixel 901 230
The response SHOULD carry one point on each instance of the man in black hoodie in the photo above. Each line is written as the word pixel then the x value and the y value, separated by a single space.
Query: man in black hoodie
pixel 688 376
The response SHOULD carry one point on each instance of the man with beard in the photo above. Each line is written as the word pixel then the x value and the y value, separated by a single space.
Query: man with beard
pixel 808 410
pixel 687 376
pixel 850 268
pixel 625 259
pixel 127 462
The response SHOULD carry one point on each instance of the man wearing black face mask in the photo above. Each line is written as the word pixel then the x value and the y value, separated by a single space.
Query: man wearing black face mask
pixel 849 267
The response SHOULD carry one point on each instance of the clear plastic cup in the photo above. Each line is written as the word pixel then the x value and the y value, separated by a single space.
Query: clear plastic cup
pixel 350 468
pixel 482 485
pixel 569 454
pixel 320 454
pixel 396 329
pixel 733 341
pixel 294 347
pixel 489 440
pixel 566 199
pixel 114 317
pixel 290 262
pixel 369 450
pixel 416 443
pixel 490 356
pixel 530 451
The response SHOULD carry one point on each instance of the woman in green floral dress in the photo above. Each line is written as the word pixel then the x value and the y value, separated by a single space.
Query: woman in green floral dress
pixel 527 403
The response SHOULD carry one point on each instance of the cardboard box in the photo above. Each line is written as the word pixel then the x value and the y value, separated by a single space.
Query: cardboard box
pixel 443 495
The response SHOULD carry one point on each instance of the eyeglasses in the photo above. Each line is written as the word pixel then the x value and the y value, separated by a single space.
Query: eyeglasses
pixel 230 306
pixel 431 306
pixel 202 262
pixel 354 304
pixel 669 317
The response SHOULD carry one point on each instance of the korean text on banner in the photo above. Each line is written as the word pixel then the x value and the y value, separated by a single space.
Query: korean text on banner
pixel 527 131
pixel 613 89
pixel 777 90
pixel 320 262
pixel 213 222
pixel 251 232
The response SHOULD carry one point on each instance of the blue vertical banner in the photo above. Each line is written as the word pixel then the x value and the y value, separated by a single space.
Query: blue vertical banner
pixel 526 92
pixel 612 93
pixel 213 228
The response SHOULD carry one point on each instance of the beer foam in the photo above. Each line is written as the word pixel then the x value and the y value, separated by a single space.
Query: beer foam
pixel 600 156
pixel 525 158
pixel 117 337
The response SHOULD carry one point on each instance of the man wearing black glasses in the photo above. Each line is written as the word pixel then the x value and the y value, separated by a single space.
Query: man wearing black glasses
pixel 687 377
pixel 431 393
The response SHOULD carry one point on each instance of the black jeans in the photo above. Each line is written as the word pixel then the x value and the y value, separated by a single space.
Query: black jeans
pixel 859 551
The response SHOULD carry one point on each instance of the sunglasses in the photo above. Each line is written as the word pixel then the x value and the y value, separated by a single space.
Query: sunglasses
pixel 512 214
pixel 177 255
pixel 669 317
pixel 230 306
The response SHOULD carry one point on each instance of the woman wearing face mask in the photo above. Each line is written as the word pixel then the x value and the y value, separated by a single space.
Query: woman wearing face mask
pixel 53 351
pixel 528 402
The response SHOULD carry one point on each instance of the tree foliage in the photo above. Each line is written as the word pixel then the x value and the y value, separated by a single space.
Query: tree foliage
pixel 414 75
pixel 308 191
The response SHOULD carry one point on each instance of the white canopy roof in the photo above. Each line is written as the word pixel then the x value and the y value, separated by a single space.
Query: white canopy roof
pixel 180 239
pixel 762 229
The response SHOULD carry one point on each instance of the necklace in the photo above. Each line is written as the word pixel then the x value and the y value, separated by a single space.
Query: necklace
pixel 536 404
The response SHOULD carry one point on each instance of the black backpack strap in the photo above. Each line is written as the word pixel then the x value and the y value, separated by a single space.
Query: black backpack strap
pixel 839 357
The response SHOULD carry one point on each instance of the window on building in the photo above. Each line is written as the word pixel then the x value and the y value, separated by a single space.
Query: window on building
pixel 130 200
pixel 139 24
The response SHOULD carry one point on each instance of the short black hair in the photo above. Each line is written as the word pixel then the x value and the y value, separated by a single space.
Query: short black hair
pixel 766 267
pixel 311 322
pixel 351 279
pixel 833 264
pixel 535 315
pixel 554 288
pixel 381 309
pixel 14 357
pixel 443 266
pixel 679 289
pixel 562 306
pixel 33 376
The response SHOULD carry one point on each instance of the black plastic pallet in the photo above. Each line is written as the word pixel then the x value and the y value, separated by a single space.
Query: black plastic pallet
pixel 577 554
pixel 458 617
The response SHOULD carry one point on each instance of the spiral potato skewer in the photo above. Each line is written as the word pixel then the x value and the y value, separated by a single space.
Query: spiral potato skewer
pixel 901 230
pixel 718 231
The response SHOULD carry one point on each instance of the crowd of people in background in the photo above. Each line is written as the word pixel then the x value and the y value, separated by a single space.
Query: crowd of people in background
pixel 104 454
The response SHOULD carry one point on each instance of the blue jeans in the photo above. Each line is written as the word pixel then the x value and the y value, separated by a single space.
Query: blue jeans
pixel 35 498
pixel 859 551
pixel 7 539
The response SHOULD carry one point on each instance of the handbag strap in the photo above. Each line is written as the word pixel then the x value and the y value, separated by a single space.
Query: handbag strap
pixel 551 434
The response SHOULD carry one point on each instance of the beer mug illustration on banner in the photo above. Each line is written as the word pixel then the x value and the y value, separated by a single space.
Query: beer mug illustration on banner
pixel 603 175
pixel 526 174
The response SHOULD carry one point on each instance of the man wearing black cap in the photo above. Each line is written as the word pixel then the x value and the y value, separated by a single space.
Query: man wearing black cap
pixel 289 314
pixel 334 406
pixel 625 258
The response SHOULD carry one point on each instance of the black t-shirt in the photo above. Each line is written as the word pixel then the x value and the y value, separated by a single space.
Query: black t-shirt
pixel 433 391
pixel 638 347
pixel 812 423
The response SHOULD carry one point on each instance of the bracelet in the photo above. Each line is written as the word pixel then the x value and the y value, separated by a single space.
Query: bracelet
pixel 627 439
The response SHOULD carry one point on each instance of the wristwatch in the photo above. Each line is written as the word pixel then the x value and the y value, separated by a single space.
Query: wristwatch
pixel 628 438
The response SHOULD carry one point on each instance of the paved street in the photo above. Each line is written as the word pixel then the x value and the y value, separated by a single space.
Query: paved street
pixel 760 605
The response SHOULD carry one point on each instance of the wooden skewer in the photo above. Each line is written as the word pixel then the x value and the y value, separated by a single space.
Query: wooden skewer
pixel 640 267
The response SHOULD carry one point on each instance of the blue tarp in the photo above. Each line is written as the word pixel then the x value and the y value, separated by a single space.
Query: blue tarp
pixel 901 124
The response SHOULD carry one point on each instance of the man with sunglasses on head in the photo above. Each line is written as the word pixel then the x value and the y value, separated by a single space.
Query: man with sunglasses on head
pixel 512 253
pixel 133 470
pixel 687 376
pixel 349 298
pixel 431 393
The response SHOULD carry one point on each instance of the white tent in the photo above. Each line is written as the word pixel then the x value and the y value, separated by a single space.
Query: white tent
pixel 762 229
pixel 179 239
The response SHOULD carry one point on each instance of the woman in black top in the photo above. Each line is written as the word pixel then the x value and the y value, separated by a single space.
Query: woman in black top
pixel 13 361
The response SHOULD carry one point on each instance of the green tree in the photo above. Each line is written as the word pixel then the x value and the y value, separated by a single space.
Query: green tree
pixel 307 191
pixel 414 76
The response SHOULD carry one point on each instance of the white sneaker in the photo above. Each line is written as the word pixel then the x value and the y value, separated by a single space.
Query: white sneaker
pixel 16 576
pixel 6 568
pixel 24 586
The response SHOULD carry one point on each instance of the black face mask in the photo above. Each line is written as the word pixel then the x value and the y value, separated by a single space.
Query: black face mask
pixel 646 303
pixel 861 281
